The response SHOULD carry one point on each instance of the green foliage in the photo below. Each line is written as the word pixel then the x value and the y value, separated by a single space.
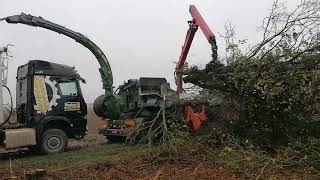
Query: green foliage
pixel 299 160
pixel 275 88
pixel 280 99
pixel 277 84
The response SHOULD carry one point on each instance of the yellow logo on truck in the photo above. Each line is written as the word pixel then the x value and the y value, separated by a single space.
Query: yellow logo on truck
pixel 43 105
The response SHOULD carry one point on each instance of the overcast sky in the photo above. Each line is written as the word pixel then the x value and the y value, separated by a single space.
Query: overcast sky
pixel 141 38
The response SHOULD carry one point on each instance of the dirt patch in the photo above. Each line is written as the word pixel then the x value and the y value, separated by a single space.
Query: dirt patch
pixel 92 123
pixel 89 141
pixel 92 138
pixel 136 169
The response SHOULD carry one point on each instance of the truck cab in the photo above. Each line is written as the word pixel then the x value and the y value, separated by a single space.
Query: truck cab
pixel 49 105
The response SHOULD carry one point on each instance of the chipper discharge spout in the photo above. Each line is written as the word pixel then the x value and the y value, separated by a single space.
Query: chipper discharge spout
pixel 106 103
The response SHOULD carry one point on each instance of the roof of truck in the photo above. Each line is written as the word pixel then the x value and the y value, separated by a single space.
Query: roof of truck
pixel 40 67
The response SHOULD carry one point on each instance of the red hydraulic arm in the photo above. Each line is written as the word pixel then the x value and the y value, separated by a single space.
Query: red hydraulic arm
pixel 185 50
pixel 196 22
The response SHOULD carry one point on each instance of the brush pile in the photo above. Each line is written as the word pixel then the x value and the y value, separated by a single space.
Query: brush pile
pixel 277 83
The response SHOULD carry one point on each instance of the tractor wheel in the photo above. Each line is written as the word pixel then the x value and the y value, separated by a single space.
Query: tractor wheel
pixel 53 141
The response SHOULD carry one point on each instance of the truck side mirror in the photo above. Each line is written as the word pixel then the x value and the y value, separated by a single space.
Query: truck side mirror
pixel 83 80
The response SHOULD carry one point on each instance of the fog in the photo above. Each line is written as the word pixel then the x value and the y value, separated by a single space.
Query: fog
pixel 141 38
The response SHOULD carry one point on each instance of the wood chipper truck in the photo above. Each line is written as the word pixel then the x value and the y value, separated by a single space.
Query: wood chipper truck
pixel 132 103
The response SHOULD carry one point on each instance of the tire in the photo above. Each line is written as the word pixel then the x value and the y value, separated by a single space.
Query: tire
pixel 53 141
pixel 98 106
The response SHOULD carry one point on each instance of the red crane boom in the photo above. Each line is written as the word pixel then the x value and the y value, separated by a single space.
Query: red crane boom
pixel 196 22
pixel 199 21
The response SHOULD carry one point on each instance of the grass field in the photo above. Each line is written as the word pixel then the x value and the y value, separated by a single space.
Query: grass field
pixel 85 156
pixel 95 158
pixel 110 161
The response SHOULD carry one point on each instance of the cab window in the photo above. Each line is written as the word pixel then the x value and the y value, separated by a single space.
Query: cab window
pixel 68 88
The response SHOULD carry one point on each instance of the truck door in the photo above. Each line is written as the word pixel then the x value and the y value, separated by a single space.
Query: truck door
pixel 72 99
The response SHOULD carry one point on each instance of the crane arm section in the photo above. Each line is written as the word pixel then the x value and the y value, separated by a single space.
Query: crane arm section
pixel 197 21
pixel 184 53
pixel 105 69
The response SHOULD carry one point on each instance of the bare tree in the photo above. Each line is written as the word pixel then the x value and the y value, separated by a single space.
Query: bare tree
pixel 233 45
pixel 290 34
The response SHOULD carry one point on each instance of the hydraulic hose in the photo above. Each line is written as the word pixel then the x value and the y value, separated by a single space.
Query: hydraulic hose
pixel 11 107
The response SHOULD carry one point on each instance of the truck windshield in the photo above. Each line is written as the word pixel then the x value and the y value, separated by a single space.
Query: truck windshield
pixel 68 88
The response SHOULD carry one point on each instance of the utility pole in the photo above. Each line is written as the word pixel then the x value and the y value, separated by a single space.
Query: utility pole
pixel 2 50
pixel 3 77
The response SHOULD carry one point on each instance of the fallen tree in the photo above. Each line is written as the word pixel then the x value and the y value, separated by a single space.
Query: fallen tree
pixel 277 83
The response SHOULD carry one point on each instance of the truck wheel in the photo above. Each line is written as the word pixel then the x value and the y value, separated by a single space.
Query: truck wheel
pixel 53 141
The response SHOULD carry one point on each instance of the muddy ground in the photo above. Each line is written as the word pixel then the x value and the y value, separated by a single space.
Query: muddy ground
pixel 94 158
pixel 136 169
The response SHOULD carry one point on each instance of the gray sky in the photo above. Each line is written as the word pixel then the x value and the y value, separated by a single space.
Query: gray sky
pixel 140 37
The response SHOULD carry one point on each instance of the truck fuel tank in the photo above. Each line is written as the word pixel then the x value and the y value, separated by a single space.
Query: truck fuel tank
pixel 15 138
